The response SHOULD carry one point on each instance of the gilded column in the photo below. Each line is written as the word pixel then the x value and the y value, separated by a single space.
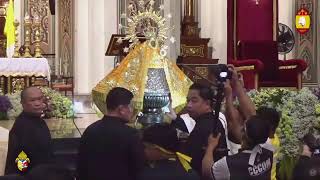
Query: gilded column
pixel 27 40
pixel 37 24
pixel 189 7
pixel 189 25
pixel 191 45
pixel 16 45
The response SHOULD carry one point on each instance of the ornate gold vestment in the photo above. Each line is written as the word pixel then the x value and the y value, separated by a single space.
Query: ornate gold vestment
pixel 132 75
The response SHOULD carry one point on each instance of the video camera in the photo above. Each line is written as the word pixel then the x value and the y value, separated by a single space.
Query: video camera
pixel 221 72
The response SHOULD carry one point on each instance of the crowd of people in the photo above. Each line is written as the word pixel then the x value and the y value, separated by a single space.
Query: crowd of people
pixel 240 144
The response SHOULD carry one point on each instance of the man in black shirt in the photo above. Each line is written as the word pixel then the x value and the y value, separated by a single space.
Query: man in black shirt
pixel 253 162
pixel 29 138
pixel 109 149
pixel 308 166
pixel 200 107
pixel 49 172
pixel 161 146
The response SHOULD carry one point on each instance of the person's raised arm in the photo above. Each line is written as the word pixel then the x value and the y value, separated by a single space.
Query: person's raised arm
pixel 246 106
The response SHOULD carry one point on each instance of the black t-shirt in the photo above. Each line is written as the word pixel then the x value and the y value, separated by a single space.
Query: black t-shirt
pixel 167 170
pixel 307 168
pixel 31 135
pixel 237 167
pixel 196 143
pixel 179 124
pixel 109 149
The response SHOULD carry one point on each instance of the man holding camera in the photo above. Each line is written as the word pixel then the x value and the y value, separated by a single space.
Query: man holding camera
pixel 200 104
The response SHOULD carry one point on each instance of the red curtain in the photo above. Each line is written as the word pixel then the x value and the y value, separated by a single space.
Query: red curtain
pixel 253 21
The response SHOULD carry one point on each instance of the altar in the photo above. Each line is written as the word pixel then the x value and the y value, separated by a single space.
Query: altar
pixel 18 73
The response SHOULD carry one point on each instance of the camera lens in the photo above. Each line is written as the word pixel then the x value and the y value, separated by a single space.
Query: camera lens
pixel 223 74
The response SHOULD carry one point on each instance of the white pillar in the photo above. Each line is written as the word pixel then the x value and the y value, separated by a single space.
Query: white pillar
pixel 286 16
pixel 110 27
pixel 95 22
pixel 82 47
pixel 174 8
pixel 214 25
pixel 96 41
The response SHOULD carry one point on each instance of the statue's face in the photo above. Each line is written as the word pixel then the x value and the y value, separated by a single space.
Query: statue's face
pixel 196 105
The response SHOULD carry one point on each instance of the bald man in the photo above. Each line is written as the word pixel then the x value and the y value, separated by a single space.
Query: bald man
pixel 29 138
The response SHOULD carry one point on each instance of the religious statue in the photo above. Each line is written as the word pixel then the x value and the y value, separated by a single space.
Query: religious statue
pixel 146 71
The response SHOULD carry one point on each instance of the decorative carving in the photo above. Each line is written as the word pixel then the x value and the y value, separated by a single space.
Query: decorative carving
pixel 192 50
pixel 307 56
pixel 18 84
pixel 3 11
pixel 191 43
pixel 2 85
pixel 27 36
pixel 41 8
pixel 194 67
pixel 65 37
pixel 3 46
pixel 189 25
pixel 307 43
pixel 3 38
pixel 192 30
pixel 16 45
pixel 37 51
pixel 123 11
pixel 203 71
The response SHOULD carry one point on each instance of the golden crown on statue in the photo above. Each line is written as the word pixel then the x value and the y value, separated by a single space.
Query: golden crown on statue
pixel 144 21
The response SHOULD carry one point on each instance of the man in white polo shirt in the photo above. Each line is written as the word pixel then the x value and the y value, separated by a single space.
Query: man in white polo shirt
pixel 254 161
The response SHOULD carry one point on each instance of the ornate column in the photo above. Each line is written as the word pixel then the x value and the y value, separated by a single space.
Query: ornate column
pixel 27 40
pixel 189 25
pixel 41 10
pixel 191 43
pixel 307 46
pixel 16 45
pixel 37 24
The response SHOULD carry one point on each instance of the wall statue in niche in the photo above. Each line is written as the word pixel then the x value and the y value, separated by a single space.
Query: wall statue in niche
pixel 306 44
pixel 65 37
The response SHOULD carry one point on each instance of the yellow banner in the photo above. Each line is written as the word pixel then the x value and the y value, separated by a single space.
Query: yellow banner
pixel 303 22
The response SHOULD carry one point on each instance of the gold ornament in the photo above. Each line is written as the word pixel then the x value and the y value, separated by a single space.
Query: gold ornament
pixel 146 22
pixel 132 75
pixel 16 45
pixel 27 41
pixel 37 51
pixel 132 72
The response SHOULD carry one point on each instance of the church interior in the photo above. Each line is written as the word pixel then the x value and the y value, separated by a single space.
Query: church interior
pixel 76 51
